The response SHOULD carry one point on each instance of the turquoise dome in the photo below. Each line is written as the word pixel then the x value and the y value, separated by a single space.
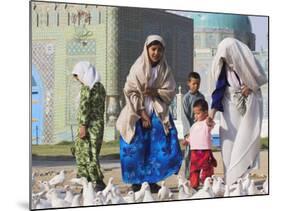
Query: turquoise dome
pixel 221 21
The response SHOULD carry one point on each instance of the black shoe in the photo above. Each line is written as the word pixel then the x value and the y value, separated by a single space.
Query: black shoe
pixel 154 188
pixel 100 186
pixel 136 187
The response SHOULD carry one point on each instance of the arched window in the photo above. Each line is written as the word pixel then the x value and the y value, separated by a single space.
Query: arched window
pixel 37 106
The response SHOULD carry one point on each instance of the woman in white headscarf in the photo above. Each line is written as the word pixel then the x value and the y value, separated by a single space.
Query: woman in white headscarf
pixel 149 148
pixel 91 123
pixel 236 78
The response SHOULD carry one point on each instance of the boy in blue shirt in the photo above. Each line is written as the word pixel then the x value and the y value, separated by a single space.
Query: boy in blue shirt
pixel 193 94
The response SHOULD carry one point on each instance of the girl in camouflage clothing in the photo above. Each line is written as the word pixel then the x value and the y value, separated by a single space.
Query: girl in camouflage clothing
pixel 91 123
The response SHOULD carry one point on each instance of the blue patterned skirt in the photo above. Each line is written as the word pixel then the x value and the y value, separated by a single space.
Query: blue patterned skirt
pixel 151 156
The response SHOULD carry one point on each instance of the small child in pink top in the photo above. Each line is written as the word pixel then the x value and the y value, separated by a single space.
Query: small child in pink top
pixel 202 161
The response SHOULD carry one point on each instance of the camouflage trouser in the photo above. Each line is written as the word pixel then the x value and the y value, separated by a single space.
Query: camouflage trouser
pixel 87 152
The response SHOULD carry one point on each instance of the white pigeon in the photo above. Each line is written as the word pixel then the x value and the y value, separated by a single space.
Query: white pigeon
pixel 76 200
pixel 81 181
pixel 246 183
pixel 89 195
pixel 33 178
pixel 252 189
pixel 39 194
pixel 186 185
pixel 238 191
pixel 171 196
pixel 44 185
pixel 163 192
pixel 59 193
pixel 214 178
pixel 43 204
pixel 130 198
pixel 38 203
pixel 109 197
pixel 108 187
pixel 181 180
pixel 188 189
pixel 140 194
pixel 147 194
pixel 265 186
pixel 58 179
pixel 56 201
pixel 206 191
pixel 117 198
pixel 182 194
pixel 226 191
pixel 69 194
pixel 97 201
pixel 218 187
pixel 101 196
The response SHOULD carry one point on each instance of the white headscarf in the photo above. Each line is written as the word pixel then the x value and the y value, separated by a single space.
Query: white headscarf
pixel 154 37
pixel 238 56
pixel 86 73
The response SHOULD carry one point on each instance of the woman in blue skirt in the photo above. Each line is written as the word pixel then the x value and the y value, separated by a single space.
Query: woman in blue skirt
pixel 149 147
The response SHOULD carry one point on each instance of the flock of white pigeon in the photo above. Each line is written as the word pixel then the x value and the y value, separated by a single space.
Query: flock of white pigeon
pixel 52 195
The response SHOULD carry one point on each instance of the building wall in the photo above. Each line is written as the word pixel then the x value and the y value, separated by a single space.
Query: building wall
pixel 109 37
pixel 61 36
pixel 210 38
pixel 177 32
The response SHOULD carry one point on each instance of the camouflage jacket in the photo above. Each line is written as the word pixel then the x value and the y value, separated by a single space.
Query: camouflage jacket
pixel 92 104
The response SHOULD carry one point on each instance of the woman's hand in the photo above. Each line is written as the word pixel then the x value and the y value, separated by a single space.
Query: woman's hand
pixel 210 122
pixel 82 132
pixel 245 91
pixel 210 119
pixel 152 92
pixel 146 123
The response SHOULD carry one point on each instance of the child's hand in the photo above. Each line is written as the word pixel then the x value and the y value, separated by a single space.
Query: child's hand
pixel 185 141
pixel 82 132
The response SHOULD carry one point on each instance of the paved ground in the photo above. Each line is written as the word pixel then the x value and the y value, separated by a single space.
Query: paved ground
pixel 46 169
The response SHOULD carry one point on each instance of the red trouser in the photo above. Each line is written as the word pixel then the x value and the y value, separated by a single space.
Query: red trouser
pixel 202 163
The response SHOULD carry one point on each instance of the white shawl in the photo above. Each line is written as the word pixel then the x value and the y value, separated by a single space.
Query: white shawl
pixel 137 81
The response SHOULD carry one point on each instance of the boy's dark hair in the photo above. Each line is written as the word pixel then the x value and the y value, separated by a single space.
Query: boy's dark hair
pixel 194 75
pixel 201 103
pixel 155 42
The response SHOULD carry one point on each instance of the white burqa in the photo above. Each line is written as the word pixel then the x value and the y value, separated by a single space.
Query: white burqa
pixel 239 134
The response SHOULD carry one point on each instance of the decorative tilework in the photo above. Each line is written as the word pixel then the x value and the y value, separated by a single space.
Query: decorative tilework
pixel 44 61
pixel 81 48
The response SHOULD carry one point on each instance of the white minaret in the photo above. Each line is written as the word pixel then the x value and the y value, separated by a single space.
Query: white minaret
pixel 181 122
